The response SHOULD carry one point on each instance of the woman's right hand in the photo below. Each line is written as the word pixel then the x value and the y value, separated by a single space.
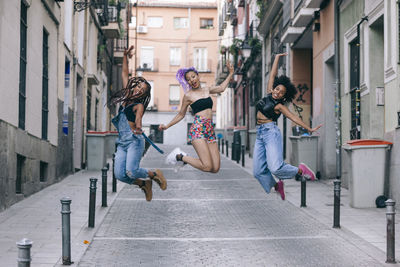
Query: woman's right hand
pixel 129 52
pixel 162 127
pixel 282 54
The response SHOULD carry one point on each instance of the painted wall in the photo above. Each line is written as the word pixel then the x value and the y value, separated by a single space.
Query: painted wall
pixel 324 92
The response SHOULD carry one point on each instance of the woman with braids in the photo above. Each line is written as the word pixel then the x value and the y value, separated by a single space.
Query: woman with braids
pixel 202 131
pixel 268 154
pixel 133 100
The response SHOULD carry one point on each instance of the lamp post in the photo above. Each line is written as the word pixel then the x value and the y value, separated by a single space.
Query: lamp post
pixel 246 49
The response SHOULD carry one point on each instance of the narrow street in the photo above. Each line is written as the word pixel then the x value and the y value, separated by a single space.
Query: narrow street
pixel 222 219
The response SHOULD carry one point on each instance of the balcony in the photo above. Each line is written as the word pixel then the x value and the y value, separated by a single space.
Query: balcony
pixel 313 3
pixel 303 17
pixel 291 34
pixel 148 65
pixel 111 30
pixel 119 47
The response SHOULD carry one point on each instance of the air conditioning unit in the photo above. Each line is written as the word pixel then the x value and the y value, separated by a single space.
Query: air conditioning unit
pixel 142 29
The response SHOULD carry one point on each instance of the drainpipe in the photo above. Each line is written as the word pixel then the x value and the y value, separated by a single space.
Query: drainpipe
pixel 338 125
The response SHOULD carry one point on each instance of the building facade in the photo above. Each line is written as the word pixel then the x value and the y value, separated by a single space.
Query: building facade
pixel 169 35
pixel 55 76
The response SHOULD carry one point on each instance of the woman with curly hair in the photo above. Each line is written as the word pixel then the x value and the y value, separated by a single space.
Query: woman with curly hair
pixel 201 132
pixel 133 99
pixel 268 154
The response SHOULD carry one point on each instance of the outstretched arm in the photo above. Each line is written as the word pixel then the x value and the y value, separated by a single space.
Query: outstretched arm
pixel 220 88
pixel 285 111
pixel 274 72
pixel 125 67
pixel 178 117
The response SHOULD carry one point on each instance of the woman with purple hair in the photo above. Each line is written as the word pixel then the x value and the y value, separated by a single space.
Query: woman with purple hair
pixel 201 132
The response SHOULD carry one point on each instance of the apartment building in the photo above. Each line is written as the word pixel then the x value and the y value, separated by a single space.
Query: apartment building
pixel 55 76
pixel 169 35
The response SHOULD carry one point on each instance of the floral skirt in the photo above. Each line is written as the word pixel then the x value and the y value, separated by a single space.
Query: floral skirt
pixel 202 128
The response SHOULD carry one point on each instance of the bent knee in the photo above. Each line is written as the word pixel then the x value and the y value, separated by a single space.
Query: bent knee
pixel 207 168
pixel 215 170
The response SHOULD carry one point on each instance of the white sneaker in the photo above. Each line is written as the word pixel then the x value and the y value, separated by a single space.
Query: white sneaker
pixel 180 164
pixel 171 158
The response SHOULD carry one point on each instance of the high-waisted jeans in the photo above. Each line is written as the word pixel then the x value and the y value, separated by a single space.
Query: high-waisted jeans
pixel 268 157
pixel 130 149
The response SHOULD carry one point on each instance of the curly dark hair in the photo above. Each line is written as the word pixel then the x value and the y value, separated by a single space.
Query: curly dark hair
pixel 128 95
pixel 291 90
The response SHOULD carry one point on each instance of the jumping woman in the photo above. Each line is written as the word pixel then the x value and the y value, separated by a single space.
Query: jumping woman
pixel 201 132
pixel 268 154
pixel 133 99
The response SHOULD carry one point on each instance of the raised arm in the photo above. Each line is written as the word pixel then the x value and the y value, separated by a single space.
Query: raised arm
pixel 125 67
pixel 285 111
pixel 179 116
pixel 220 88
pixel 274 72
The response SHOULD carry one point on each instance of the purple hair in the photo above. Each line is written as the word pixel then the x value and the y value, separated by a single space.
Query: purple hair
pixel 180 76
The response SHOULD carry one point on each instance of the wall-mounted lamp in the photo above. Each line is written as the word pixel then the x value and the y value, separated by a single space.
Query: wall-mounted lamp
pixel 82 5
pixel 246 49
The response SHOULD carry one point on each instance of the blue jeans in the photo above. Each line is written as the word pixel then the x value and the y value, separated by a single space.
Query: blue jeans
pixel 268 157
pixel 130 149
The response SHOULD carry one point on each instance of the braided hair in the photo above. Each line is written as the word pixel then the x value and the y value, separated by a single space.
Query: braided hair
pixel 129 95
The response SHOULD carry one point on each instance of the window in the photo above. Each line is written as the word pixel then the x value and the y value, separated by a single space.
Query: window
pixel 43 171
pixel 175 56
pixel 206 23
pixel 66 96
pixel 200 59
pixel 132 23
pixel 181 23
pixel 22 65
pixel 45 84
pixel 155 22
pixel 355 131
pixel 88 109
pixel 146 58
pixel 20 174
pixel 174 94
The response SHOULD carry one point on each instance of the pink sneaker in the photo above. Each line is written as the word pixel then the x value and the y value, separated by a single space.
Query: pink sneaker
pixel 279 189
pixel 307 172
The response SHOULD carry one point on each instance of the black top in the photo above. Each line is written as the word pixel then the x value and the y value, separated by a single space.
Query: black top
pixel 267 105
pixel 130 114
pixel 201 104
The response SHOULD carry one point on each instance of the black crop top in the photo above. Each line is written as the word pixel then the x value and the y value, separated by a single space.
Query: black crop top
pixel 201 104
pixel 267 105
pixel 129 113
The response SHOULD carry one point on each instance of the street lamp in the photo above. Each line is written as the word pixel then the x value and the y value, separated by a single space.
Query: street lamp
pixel 246 49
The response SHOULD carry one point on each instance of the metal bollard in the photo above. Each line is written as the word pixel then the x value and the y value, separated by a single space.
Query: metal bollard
pixel 238 152
pixel 219 143
pixel 66 230
pixel 303 192
pixel 227 146
pixel 222 145
pixel 92 202
pixel 108 166
pixel 104 187
pixel 233 150
pixel 24 252
pixel 243 154
pixel 336 204
pixel 114 180
pixel 390 231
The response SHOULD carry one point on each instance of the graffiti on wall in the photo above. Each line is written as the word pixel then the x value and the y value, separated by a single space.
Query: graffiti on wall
pixel 302 89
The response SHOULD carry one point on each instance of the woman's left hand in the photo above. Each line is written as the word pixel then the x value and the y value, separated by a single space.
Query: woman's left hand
pixel 315 128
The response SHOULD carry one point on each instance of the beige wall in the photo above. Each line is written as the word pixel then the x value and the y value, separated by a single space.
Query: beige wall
pixel 161 39
pixel 301 75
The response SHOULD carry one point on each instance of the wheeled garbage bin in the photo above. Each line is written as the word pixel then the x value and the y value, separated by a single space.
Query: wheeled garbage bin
pixel 305 150
pixel 367 170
